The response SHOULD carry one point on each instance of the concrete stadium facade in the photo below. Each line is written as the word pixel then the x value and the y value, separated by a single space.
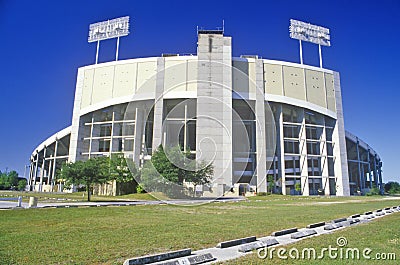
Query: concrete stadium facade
pixel 272 125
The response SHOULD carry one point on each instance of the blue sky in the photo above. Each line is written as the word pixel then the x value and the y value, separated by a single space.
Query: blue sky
pixel 44 42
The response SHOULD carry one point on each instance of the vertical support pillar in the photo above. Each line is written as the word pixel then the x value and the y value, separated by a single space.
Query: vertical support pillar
pixel 376 172
pixel 53 178
pixel 305 188
pixel 369 168
pixel 36 168
pixel 91 136
pixel 281 150
pixel 49 172
pixel 339 140
pixel 320 55
pixel 30 172
pixel 158 105
pixel 380 177
pixel 360 177
pixel 138 134
pixel 301 52
pixel 261 137
pixel 112 133
pixel 117 51
pixel 97 51
pixel 77 128
pixel 214 108
pixel 324 162
pixel 43 170
pixel 185 129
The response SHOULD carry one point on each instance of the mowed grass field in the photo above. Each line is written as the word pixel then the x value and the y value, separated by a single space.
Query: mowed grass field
pixel 381 235
pixel 109 235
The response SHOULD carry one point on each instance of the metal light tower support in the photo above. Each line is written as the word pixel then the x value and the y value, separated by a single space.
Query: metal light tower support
pixel 301 52
pixel 312 33
pixel 320 55
pixel 97 51
pixel 116 52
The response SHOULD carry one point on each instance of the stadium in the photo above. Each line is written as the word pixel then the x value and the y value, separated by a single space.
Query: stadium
pixel 265 125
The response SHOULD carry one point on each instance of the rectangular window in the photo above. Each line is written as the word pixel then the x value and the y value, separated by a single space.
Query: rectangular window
pixel 191 135
pixel 329 149
pixel 104 145
pixel 105 130
pixel 128 129
pixel 128 145
pixel 331 167
pixel 291 147
pixel 313 148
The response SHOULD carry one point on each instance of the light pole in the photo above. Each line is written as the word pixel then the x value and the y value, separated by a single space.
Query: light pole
pixel 114 28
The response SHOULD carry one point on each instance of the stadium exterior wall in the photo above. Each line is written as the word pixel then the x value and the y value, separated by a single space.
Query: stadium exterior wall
pixel 290 114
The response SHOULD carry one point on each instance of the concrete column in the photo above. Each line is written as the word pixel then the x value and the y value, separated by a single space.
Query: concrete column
pixel 261 148
pixel 281 150
pixel 380 177
pixel 36 169
pixel 158 105
pixel 375 172
pixel 369 169
pixel 53 175
pixel 360 177
pixel 42 172
pixel 30 173
pixel 139 130
pixel 324 162
pixel 91 136
pixel 77 126
pixel 339 140
pixel 112 133
pixel 49 173
pixel 305 188
pixel 214 108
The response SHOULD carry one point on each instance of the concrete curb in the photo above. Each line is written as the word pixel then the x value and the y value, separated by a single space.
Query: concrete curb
pixel 235 242
pixel 316 225
pixel 285 232
pixel 158 257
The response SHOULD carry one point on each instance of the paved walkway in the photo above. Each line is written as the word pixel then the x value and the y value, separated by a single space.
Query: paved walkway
pixel 8 205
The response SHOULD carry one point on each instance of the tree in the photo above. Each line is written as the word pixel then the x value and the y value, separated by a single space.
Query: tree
pixel 22 184
pixel 373 191
pixel 170 168
pixel 297 187
pixel 121 172
pixel 200 175
pixel 9 180
pixel 93 171
pixel 392 187
pixel 150 178
pixel 271 183
pixel 164 165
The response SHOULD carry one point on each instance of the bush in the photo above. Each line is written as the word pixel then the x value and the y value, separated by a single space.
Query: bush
pixel 373 191
pixel 139 189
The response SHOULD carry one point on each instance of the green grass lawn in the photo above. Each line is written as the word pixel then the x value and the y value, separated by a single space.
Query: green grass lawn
pixel 381 235
pixel 109 235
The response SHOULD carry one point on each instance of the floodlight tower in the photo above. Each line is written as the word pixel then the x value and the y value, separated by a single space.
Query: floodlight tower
pixel 311 33
pixel 114 28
